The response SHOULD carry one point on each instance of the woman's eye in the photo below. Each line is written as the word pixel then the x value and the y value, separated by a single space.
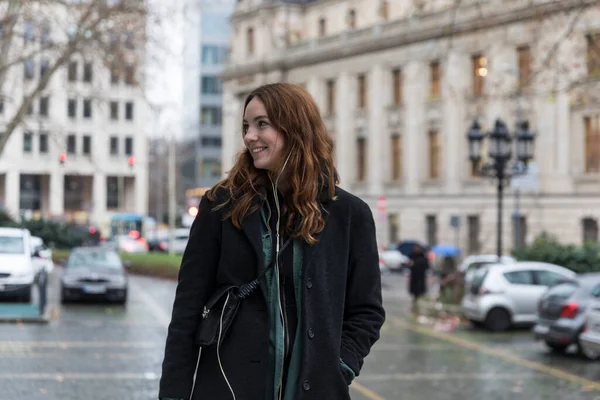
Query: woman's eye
pixel 262 123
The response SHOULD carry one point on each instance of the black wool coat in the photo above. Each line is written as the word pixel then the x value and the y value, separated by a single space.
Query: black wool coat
pixel 341 306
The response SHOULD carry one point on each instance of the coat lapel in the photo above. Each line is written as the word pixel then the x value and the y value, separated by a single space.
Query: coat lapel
pixel 251 228
pixel 311 253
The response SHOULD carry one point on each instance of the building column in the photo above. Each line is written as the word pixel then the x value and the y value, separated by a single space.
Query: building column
pixel 12 193
pixel 57 193
pixel 377 131
pixel 454 131
pixel 314 87
pixel 98 198
pixel 415 89
pixel 230 128
pixel 344 124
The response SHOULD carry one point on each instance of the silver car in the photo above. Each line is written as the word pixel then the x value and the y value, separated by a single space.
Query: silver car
pixel 502 295
pixel 562 311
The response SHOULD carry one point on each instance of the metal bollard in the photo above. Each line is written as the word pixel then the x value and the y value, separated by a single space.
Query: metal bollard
pixel 43 289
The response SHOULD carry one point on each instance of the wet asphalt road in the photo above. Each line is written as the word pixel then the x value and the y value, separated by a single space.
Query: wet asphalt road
pixel 106 352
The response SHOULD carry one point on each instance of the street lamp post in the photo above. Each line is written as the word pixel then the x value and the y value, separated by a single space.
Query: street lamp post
pixel 501 165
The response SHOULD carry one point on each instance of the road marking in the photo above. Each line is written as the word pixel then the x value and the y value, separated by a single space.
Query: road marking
pixel 119 376
pixel 368 393
pixel 448 376
pixel 18 346
pixel 161 315
pixel 587 384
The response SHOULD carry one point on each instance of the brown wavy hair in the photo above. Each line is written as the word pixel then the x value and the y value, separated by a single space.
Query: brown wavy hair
pixel 309 172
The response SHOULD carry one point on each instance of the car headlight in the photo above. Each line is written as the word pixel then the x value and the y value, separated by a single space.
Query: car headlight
pixel 69 280
pixel 23 274
pixel 119 280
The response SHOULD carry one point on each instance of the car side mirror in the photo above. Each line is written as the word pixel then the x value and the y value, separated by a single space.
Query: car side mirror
pixel 36 253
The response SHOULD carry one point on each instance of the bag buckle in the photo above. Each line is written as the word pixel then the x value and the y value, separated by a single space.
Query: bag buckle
pixel 205 313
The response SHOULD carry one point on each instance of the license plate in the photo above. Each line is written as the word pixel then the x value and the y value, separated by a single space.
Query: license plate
pixel 95 289
pixel 541 329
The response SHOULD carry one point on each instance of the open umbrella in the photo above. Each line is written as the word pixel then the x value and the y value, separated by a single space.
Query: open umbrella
pixel 446 250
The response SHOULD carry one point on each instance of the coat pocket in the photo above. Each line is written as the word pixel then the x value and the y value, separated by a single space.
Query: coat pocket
pixel 347 372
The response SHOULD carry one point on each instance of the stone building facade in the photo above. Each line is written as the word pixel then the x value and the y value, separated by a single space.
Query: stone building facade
pixel 399 84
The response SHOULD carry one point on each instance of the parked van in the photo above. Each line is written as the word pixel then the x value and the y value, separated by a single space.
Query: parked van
pixel 17 271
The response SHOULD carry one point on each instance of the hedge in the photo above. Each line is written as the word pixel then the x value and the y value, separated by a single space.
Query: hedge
pixel 547 248
pixel 160 265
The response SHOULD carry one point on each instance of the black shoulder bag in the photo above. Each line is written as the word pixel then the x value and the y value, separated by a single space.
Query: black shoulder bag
pixel 227 297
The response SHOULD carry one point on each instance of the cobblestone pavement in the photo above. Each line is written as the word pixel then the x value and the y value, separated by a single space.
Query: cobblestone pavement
pixel 105 352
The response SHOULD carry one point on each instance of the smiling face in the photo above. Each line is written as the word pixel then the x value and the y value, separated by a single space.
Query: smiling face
pixel 265 143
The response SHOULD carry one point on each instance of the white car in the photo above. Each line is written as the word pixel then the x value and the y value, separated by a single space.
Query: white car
pixel 181 238
pixel 472 263
pixel 42 255
pixel 393 259
pixel 501 295
pixel 17 270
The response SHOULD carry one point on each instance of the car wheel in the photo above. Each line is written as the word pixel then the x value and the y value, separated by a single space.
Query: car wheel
pixel 557 347
pixel 497 320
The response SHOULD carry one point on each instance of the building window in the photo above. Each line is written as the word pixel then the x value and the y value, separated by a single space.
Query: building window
pixel 473 229
pixel 479 73
pixel 521 235
pixel 27 142
pixel 72 71
pixel 384 9
pixel 128 146
pixel 592 144
pixel 396 145
pixel 361 148
pixel 88 73
pixel 29 69
pixel 362 92
pixel 114 145
pixel 129 111
pixel 431 223
pixel 44 105
pixel 330 97
pixel 213 55
pixel 210 168
pixel 45 33
pixel 30 108
pixel 87 145
pixel 1 105
pixel 593 55
pixel 211 85
pixel 524 56
pixel 72 108
pixel 351 19
pixel 71 144
pixel 434 154
pixel 211 142
pixel 210 115
pixel 129 75
pixel 590 230
pixel 322 27
pixel 29 193
pixel 112 192
pixel 435 74
pixel 394 227
pixel 114 110
pixel 28 31
pixel 114 73
pixel 87 108
pixel 250 40
pixel 43 142
pixel 44 67
pixel 397 86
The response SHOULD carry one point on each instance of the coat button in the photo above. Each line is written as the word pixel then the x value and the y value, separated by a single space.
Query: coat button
pixel 308 283
pixel 306 386
pixel 311 334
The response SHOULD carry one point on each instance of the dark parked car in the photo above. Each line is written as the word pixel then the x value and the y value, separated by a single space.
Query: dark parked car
pixel 562 311
pixel 94 273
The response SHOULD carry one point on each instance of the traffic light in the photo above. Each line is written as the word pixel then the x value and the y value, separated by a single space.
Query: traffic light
pixel 62 158
pixel 131 161
pixel 193 211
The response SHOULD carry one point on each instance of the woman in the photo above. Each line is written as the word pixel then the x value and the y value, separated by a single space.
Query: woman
pixel 305 332
pixel 418 277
